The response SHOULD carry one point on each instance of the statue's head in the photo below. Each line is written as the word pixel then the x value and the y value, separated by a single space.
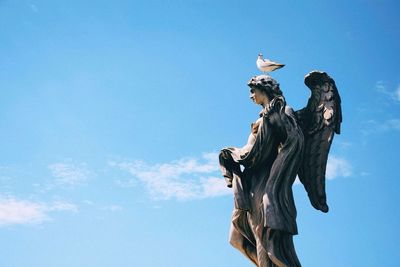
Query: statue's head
pixel 266 84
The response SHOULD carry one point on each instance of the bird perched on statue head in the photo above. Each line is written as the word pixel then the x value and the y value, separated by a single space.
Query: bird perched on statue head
pixel 266 65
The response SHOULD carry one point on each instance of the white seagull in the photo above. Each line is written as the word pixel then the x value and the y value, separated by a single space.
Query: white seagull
pixel 266 65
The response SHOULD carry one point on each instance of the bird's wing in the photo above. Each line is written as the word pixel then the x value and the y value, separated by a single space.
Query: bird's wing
pixel 272 63
pixel 319 120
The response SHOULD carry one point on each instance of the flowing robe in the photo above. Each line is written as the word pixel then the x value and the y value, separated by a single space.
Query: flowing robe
pixel 264 218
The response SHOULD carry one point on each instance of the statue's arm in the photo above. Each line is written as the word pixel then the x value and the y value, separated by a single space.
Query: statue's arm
pixel 245 150
pixel 229 158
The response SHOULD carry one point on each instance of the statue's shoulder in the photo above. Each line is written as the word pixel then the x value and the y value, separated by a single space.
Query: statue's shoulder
pixel 276 106
pixel 289 111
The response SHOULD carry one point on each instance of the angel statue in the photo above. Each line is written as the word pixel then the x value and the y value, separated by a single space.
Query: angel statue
pixel 282 144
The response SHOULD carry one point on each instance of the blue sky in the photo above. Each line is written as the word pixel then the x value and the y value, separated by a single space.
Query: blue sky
pixel 112 112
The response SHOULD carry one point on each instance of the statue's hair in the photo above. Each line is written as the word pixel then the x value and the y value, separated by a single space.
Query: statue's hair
pixel 266 84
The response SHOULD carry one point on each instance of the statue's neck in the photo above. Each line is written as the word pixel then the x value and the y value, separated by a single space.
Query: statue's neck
pixel 265 103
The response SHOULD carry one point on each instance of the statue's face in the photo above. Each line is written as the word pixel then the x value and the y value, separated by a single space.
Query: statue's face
pixel 258 96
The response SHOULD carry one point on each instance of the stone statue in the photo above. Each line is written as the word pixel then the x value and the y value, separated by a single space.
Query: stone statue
pixel 281 145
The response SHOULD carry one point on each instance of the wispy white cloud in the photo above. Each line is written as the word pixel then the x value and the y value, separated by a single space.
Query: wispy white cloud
pixel 214 186
pixel 187 178
pixel 343 144
pixel 393 124
pixel 126 182
pixel 112 208
pixel 337 167
pixel 397 93
pixel 62 206
pixel 69 174
pixel 15 211
pixel 381 87
pixel 373 126
pixel 88 202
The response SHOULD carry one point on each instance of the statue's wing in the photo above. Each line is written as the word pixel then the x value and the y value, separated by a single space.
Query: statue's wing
pixel 319 120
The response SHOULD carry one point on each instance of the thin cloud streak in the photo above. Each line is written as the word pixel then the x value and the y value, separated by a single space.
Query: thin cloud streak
pixel 14 211
pixel 393 94
pixel 373 126
pixel 397 93
pixel 337 167
pixel 184 179
pixel 112 208
pixel 69 174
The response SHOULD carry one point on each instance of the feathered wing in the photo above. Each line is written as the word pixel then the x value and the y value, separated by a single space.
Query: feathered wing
pixel 319 120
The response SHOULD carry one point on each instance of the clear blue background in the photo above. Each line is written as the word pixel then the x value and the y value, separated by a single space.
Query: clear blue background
pixel 88 86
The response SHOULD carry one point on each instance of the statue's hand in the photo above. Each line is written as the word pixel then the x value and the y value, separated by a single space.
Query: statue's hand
pixel 242 156
pixel 228 182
